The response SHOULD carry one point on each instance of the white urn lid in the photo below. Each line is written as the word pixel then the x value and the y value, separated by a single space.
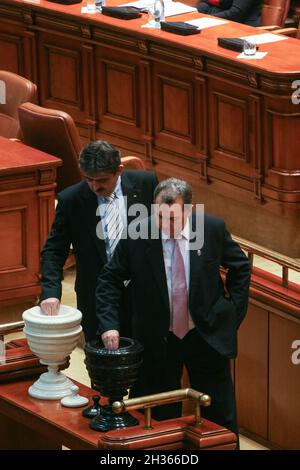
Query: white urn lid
pixel 66 316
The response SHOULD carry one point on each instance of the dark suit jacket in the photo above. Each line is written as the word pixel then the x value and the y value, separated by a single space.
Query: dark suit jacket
pixel 75 223
pixel 216 317
pixel 242 11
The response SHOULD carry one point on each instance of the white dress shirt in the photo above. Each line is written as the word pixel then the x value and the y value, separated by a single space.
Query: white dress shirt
pixel 168 250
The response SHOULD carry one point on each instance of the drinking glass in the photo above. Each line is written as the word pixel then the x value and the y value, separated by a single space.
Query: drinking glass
pixel 91 6
pixel 249 47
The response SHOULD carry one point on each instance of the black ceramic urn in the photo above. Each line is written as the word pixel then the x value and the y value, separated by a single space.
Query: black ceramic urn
pixel 112 373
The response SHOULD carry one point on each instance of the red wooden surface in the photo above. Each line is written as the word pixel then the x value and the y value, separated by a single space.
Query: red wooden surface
pixel 50 425
pixel 27 185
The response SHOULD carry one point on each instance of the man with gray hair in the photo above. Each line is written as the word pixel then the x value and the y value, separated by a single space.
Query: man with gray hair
pixel 181 311
pixel 98 205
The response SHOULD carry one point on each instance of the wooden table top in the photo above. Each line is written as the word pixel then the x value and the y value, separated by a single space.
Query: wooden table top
pixel 283 57
pixel 67 425
pixel 59 418
pixel 14 156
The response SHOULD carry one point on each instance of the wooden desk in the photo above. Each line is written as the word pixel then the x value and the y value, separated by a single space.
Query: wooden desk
pixel 27 193
pixel 188 107
pixel 29 423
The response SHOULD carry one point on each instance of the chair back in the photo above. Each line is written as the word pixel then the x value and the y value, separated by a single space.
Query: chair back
pixel 14 90
pixel 54 132
pixel 274 12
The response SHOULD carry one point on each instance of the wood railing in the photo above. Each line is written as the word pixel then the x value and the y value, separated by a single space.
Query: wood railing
pixel 285 262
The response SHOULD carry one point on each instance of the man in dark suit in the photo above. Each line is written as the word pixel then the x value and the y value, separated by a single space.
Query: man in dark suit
pixel 242 11
pixel 180 310
pixel 78 222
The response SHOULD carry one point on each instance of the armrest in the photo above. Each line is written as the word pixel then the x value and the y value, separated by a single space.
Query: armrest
pixel 268 28
pixel 292 32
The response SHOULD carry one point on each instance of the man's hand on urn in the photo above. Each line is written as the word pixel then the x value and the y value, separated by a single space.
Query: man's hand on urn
pixel 50 306
pixel 111 339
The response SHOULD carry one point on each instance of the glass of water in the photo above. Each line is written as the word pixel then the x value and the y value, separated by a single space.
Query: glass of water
pixel 249 47
pixel 91 6
pixel 151 14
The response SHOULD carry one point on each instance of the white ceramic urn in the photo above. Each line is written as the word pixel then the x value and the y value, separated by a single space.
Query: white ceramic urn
pixel 52 339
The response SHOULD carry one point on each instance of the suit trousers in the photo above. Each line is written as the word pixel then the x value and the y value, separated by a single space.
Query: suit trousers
pixel 209 372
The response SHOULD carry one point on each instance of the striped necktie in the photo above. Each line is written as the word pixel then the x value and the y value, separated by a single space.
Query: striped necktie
pixel 113 224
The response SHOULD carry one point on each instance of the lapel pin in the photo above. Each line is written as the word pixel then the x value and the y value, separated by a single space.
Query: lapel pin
pixel 199 252
pixel 135 195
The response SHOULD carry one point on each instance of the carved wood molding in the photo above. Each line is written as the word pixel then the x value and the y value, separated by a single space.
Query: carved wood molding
pixel 47 22
pixel 199 63
pixel 115 39
pixel 10 12
pixel 143 46
pixel 264 288
pixel 146 108
pixel 175 55
pixel 46 209
pixel 86 31
pixel 28 17
pixel 276 86
pixel 89 83
pixel 252 79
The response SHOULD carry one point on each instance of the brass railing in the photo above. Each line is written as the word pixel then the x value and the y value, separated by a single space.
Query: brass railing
pixel 149 401
pixel 5 329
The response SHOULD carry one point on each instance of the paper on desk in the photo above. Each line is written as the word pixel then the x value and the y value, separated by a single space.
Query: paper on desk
pixel 85 10
pixel 265 38
pixel 257 55
pixel 171 8
pixel 206 22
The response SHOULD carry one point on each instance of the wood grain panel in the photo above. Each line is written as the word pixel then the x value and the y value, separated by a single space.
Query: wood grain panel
pixel 27 185
pixel 63 79
pixel 118 93
pixel 282 130
pixel 175 94
pixel 230 128
pixel 251 372
pixel 176 101
pixel 11 57
pixel 13 238
pixel 63 74
pixel 284 408
pixel 19 264
pixel 120 86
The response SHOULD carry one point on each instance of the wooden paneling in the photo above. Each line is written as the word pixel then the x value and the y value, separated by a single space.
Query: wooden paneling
pixel 230 121
pixel 174 109
pixel 282 130
pixel 281 143
pixel 19 265
pixel 11 50
pixel 284 409
pixel 251 372
pixel 13 258
pixel 118 93
pixel 64 69
pixel 27 188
